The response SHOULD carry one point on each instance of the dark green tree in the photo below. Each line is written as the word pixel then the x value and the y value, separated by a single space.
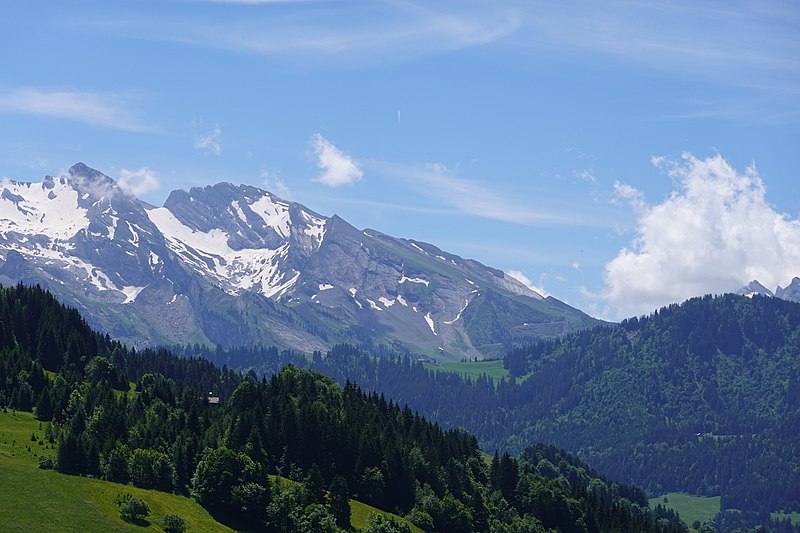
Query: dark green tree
pixel 339 501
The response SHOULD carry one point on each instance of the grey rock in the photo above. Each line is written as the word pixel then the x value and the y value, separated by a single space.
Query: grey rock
pixel 236 265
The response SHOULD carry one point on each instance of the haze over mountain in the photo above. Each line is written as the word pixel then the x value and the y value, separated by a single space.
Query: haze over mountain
pixel 228 264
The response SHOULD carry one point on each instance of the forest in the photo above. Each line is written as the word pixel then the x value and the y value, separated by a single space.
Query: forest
pixel 152 419
pixel 702 397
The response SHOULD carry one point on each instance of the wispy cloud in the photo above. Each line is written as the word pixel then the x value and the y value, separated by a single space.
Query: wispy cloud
pixel 525 280
pixel 210 141
pixel 276 185
pixel 714 234
pixel 110 110
pixel 138 182
pixel 338 168
pixel 475 198
pixel 750 46
pixel 322 32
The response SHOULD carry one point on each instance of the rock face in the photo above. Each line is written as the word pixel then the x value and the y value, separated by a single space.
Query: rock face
pixel 228 264
pixel 791 292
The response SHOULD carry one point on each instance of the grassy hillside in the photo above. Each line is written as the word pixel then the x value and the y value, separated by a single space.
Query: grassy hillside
pixel 44 500
pixel 690 507
pixel 473 369
pixel 360 512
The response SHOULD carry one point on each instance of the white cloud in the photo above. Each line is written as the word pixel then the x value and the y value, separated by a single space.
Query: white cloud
pixel 713 235
pixel 111 110
pixel 138 182
pixel 338 168
pixel 586 174
pixel 525 280
pixel 209 141
pixel 350 32
pixel 748 45
pixel 477 199
pixel 275 185
pixel 630 195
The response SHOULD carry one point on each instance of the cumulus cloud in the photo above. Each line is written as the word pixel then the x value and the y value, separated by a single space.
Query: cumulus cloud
pixel 209 142
pixel 713 235
pixel 138 182
pixel 338 168
pixel 525 280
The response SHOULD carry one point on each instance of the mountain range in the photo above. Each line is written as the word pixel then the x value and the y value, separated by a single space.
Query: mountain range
pixel 236 265
pixel 791 292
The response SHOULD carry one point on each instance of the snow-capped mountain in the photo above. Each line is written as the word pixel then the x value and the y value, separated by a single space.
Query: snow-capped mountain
pixel 754 288
pixel 791 292
pixel 230 264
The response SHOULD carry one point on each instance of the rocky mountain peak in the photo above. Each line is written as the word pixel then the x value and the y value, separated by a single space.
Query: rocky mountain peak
pixel 753 288
pixel 91 182
pixel 791 292
pixel 234 264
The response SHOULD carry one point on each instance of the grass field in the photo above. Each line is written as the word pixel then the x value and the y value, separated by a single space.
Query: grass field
pixel 690 508
pixel 794 517
pixel 494 369
pixel 44 500
pixel 359 513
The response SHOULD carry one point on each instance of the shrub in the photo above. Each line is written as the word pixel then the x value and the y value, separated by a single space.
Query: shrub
pixel 132 508
pixel 174 524
pixel 47 462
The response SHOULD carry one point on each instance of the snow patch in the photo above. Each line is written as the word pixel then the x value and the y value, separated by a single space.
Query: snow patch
pixel 352 292
pixel 234 270
pixel 130 292
pixel 466 303
pixel 325 287
pixel 402 301
pixel 32 208
pixel 237 210
pixel 429 320
pixel 274 214
pixel 134 234
pixel 373 305
pixel 386 301
pixel 403 279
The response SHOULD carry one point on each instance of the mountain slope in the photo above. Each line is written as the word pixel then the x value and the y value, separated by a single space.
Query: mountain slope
pixel 168 436
pixel 228 264
pixel 700 398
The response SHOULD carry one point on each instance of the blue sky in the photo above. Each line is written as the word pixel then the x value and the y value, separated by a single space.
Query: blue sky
pixel 617 155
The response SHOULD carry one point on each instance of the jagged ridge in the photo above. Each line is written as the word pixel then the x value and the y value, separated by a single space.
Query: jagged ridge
pixel 229 264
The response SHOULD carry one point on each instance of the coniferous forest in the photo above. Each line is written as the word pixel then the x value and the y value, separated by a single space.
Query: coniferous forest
pixel 702 397
pixel 335 443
